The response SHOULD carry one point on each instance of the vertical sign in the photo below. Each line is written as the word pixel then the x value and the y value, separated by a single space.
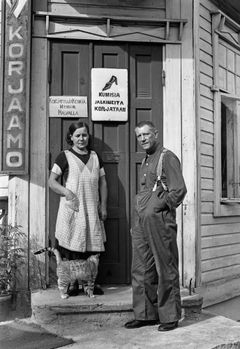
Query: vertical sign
pixel 15 111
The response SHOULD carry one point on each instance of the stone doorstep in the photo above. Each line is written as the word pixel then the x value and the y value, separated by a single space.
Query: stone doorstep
pixel 115 304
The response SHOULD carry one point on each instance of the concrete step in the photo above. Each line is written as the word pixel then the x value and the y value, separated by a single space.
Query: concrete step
pixel 110 310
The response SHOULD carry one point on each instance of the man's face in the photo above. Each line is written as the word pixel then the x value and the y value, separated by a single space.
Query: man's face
pixel 146 136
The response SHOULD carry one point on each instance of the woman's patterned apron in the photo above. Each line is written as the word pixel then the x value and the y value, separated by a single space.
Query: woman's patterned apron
pixel 83 230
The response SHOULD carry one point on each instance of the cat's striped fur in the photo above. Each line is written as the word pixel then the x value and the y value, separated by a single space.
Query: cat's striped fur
pixel 84 271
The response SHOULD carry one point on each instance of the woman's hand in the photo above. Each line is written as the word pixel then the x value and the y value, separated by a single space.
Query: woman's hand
pixel 69 195
pixel 72 200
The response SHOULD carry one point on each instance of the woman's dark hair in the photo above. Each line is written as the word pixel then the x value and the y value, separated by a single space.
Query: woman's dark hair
pixel 73 127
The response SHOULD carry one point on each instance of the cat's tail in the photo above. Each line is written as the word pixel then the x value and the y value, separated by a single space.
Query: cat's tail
pixel 51 249
pixel 44 250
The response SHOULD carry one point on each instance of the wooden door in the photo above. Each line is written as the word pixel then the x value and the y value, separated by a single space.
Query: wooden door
pixel 68 76
pixel 146 100
pixel 114 141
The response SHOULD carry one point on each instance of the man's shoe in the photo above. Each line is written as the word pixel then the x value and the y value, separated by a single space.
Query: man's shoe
pixel 140 323
pixel 168 326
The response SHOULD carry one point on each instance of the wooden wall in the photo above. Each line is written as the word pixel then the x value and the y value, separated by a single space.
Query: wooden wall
pixel 220 237
pixel 121 8
pixel 178 110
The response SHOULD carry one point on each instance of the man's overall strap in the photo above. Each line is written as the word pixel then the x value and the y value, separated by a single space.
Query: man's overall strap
pixel 159 171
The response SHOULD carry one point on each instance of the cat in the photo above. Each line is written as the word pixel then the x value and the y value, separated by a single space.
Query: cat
pixel 84 271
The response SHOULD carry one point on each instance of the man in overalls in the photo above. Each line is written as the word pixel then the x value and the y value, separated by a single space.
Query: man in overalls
pixel 155 275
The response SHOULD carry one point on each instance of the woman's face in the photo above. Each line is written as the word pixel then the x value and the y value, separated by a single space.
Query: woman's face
pixel 80 138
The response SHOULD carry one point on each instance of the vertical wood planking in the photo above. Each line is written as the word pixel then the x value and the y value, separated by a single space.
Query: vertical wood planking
pixel 172 109
pixel 189 147
pixel 38 144
pixel 172 116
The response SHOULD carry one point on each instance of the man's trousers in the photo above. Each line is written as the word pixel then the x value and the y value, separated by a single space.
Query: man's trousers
pixel 155 275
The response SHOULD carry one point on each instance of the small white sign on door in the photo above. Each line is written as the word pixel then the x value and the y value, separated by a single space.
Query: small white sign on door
pixel 109 94
pixel 68 107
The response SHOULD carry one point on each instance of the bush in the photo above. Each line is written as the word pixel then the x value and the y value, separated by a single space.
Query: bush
pixel 12 256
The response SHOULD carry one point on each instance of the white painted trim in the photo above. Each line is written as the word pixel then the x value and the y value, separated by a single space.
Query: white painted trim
pixel 38 160
pixel 179 135
pixel 172 118
pixel 196 54
pixel 172 100
pixel 189 160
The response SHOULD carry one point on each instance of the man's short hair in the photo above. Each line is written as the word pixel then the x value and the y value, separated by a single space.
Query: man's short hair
pixel 146 122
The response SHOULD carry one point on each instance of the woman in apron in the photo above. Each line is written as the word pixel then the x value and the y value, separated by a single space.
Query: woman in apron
pixel 83 203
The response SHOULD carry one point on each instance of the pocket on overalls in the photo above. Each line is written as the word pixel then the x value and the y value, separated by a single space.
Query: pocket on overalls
pixel 160 201
pixel 142 199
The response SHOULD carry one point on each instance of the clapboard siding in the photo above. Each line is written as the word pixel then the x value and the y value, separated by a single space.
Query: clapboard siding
pixel 209 220
pixel 222 262
pixel 206 195
pixel 220 240
pixel 207 184
pixel 220 229
pixel 206 92
pixel 226 273
pixel 204 67
pixel 205 24
pixel 206 160
pixel 207 137
pixel 219 251
pixel 206 172
pixel 127 8
pixel 205 35
pixel 206 103
pixel 220 237
pixel 206 115
pixel 206 207
pixel 205 79
pixel 204 11
pixel 206 125
pixel 207 149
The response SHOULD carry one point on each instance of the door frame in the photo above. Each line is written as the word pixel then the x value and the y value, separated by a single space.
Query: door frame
pixel 171 107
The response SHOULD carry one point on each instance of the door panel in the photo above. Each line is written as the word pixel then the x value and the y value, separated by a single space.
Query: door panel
pixel 145 100
pixel 69 76
pixel 114 141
